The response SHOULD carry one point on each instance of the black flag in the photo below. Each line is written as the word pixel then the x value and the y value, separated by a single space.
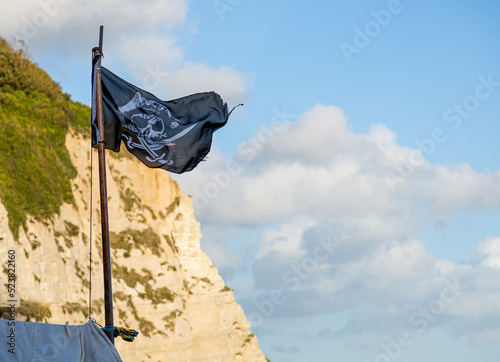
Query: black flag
pixel 173 135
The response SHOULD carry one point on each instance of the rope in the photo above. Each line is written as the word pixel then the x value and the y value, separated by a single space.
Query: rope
pixel 241 104
pixel 90 232
pixel 127 334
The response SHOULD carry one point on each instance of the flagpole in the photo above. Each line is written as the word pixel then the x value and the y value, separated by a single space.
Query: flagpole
pixel 106 255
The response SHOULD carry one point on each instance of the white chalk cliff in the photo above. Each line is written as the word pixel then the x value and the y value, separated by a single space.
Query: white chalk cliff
pixel 164 285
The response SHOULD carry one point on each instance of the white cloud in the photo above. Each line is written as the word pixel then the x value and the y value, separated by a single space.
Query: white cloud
pixel 399 261
pixel 457 187
pixel 316 176
pixel 285 240
pixel 391 287
pixel 489 249
pixel 158 53
pixel 320 134
pixel 196 77
pixel 317 166
pixel 38 21
pixel 138 39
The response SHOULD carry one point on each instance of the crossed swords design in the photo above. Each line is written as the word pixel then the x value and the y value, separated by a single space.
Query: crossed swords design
pixel 145 134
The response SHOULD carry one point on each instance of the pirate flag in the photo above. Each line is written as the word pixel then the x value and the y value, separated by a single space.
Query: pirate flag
pixel 173 135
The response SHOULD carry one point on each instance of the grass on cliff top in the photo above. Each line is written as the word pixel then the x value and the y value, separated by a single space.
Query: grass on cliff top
pixel 35 166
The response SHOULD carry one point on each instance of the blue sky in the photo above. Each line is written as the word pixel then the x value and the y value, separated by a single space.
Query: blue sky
pixel 369 127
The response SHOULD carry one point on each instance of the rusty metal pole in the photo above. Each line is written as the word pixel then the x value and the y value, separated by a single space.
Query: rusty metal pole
pixel 106 255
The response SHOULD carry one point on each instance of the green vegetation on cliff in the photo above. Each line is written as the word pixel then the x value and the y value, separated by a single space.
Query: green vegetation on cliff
pixel 35 166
